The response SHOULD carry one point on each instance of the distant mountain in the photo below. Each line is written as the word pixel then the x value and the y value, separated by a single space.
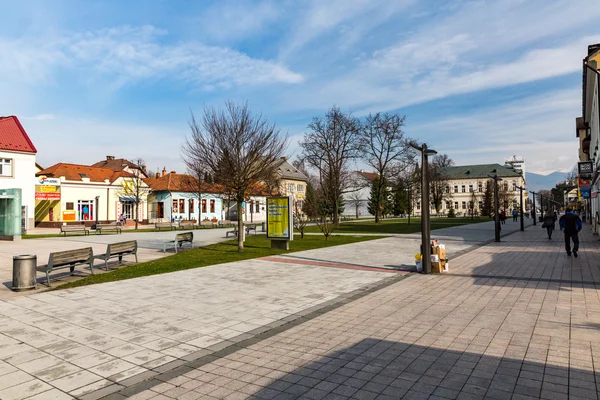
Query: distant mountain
pixel 537 182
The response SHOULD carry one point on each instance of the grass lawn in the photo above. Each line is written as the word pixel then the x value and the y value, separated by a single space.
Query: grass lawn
pixel 256 246
pixel 398 225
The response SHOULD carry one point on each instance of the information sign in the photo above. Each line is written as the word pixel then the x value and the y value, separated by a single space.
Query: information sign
pixel 279 218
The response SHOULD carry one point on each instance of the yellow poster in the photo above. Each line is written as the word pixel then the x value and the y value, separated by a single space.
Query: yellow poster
pixel 278 218
pixel 48 189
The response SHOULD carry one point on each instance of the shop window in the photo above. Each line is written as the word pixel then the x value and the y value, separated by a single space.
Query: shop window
pixel 204 205
pixel 257 204
pixel 6 167
pixel 85 210
pixel 212 206
pixel 175 209
pixel 181 206
pixel 191 206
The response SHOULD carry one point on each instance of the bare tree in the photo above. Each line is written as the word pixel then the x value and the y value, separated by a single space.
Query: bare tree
pixel 329 146
pixel 237 147
pixel 383 146
pixel 357 201
pixel 196 183
pixel 438 180
pixel 134 188
pixel 300 220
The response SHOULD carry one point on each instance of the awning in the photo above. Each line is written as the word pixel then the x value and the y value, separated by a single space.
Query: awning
pixel 127 199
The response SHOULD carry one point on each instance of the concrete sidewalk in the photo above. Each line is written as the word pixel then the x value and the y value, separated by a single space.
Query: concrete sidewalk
pixel 513 320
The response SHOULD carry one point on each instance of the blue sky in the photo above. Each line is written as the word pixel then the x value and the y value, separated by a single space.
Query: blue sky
pixel 478 80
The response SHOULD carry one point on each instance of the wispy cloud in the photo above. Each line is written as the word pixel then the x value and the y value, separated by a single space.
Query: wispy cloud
pixel 129 54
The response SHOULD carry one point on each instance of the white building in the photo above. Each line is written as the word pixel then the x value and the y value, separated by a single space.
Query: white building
pixel 357 195
pixel 17 165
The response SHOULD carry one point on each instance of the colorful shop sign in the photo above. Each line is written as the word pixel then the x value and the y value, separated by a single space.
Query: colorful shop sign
pixel 68 215
pixel 42 180
pixel 47 195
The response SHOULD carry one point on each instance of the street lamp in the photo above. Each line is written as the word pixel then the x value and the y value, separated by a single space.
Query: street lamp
pixel 425 242
pixel 496 207
pixel 408 196
pixel 521 206
pixel 533 209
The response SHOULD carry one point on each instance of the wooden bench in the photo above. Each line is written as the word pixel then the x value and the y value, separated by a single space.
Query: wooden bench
pixel 206 224
pixel 74 228
pixel 250 227
pixel 119 250
pixel 187 225
pixel 67 259
pixel 160 225
pixel 233 232
pixel 180 239
pixel 224 223
pixel 108 227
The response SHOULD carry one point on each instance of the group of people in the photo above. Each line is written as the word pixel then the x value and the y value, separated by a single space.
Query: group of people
pixel 569 223
pixel 515 215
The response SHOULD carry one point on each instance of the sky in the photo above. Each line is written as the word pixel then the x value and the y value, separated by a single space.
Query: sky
pixel 478 80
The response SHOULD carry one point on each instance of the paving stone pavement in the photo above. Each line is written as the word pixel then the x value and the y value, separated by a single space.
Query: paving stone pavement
pixel 513 320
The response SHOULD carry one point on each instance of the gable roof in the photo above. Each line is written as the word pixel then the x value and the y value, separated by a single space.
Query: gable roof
pixel 13 137
pixel 173 182
pixel 479 171
pixel 285 170
pixel 74 172
pixel 118 164
pixel 370 176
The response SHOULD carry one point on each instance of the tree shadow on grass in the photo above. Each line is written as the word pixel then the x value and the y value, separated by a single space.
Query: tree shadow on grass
pixel 381 369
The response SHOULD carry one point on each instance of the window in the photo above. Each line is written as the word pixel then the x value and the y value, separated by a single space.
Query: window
pixel 204 205
pixel 83 175
pixel 191 206
pixel 181 206
pixel 70 206
pixel 479 187
pixel 85 210
pixel 464 205
pixel 514 186
pixel 456 205
pixel 299 203
pixel 455 188
pixel 301 188
pixel 175 206
pixel 257 205
pixel 470 188
pixel 506 186
pixel 448 205
pixel 418 206
pixel 481 205
pixel 5 167
pixel 291 187
pixel 447 189
pixel 463 189
pixel 212 206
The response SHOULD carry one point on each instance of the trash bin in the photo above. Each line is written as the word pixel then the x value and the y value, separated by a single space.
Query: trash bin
pixel 263 227
pixel 24 272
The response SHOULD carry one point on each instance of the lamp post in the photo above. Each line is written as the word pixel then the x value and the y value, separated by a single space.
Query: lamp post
pixel 425 242
pixel 533 209
pixel 97 202
pixel 496 207
pixel 408 195
pixel 521 188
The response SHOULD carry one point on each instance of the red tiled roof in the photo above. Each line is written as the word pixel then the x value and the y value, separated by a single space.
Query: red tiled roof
pixel 173 182
pixel 73 172
pixel 370 176
pixel 13 137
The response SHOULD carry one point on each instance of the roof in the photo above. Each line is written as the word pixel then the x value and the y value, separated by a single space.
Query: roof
pixel 74 172
pixel 118 164
pixel 479 171
pixel 13 137
pixel 173 182
pixel 285 170
pixel 370 176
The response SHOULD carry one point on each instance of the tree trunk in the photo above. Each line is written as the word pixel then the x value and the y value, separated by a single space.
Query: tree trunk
pixel 240 227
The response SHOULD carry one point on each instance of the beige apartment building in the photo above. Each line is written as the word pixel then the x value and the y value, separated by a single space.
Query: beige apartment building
pixel 466 186
pixel 291 181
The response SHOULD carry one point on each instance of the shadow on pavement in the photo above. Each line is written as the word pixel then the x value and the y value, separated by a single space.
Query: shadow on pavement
pixel 381 369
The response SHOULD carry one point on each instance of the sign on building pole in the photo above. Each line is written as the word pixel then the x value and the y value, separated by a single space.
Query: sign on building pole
pixel 280 222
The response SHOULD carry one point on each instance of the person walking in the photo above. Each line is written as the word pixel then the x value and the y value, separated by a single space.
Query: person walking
pixel 571 224
pixel 549 220
pixel 515 214
pixel 503 216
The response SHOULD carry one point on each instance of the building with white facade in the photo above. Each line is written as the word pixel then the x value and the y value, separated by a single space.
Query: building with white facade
pixel 17 167
pixel 466 185
pixel 357 195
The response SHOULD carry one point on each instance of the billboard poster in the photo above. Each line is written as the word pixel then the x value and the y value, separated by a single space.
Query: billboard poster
pixel 279 218
pixel 42 180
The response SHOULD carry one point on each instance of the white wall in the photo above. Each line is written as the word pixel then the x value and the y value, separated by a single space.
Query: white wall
pixel 23 177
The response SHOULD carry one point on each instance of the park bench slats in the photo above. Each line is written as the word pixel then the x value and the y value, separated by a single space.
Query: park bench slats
pixel 108 227
pixel 169 225
pixel 187 225
pixel 119 250
pixel 64 229
pixel 68 259
pixel 180 239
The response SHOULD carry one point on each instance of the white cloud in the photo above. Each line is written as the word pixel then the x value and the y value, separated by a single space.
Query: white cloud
pixel 129 54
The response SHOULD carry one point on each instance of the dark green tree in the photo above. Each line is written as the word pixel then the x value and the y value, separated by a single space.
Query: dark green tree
pixel 400 200
pixel 375 203
pixel 310 205
pixel 488 198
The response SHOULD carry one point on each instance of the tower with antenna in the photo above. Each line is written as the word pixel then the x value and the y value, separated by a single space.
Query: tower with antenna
pixel 517 163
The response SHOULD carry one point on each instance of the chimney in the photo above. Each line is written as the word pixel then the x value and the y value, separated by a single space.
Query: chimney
pixel 109 158
pixel 144 169
pixel 164 171
pixel 284 158
pixel 173 172
pixel 158 174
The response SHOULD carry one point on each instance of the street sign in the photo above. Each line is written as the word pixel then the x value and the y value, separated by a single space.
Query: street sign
pixel 585 168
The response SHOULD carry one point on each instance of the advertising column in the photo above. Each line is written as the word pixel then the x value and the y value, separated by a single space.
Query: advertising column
pixel 280 226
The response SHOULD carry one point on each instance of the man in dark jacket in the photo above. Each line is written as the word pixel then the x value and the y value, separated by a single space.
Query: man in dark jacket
pixel 571 225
